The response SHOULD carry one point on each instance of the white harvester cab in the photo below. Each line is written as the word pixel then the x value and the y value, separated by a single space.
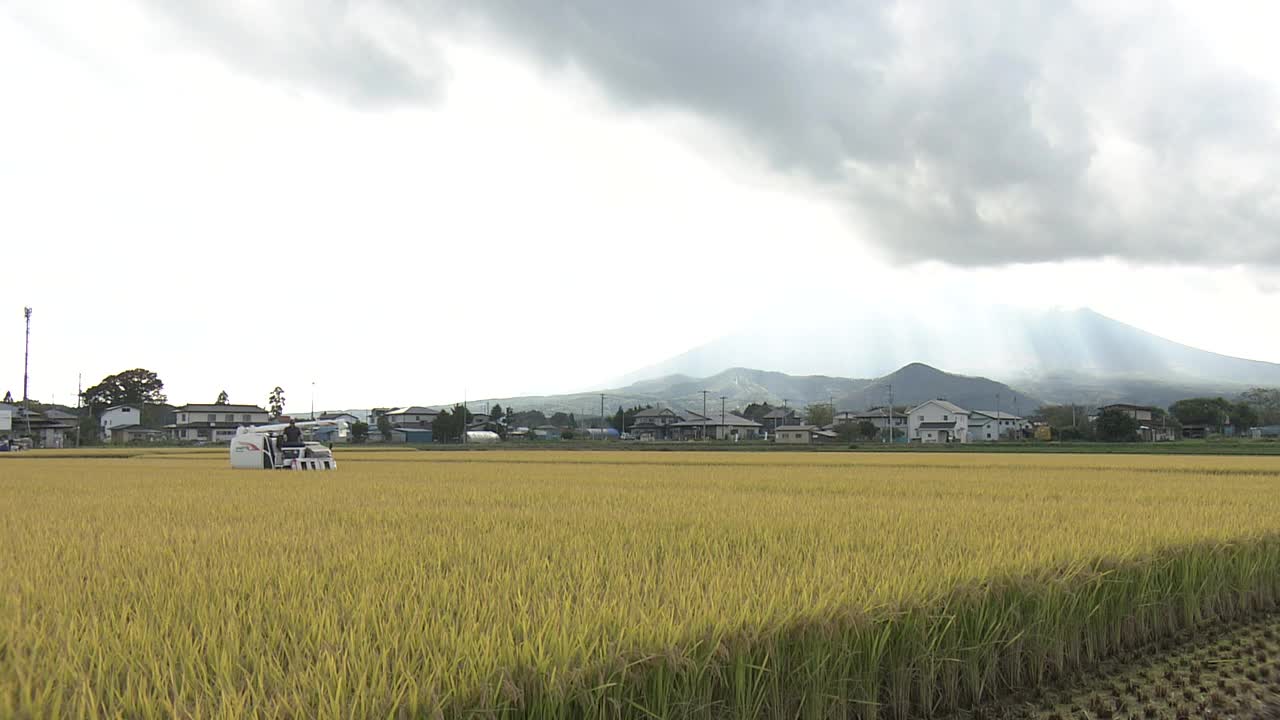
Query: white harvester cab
pixel 262 447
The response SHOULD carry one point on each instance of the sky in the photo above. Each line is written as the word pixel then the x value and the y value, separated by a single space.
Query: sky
pixel 397 202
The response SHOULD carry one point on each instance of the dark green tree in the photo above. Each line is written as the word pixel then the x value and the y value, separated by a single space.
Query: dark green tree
pixel 867 429
pixel 385 427
pixel 1265 402
pixel 757 411
pixel 359 432
pixel 1116 426
pixel 1213 412
pixel 223 399
pixel 8 397
pixel 275 402
pixel 818 414
pixel 495 413
pixel 133 387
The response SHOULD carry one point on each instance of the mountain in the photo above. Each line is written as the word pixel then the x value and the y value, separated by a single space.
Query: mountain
pixel 917 382
pixel 1059 355
pixel 740 387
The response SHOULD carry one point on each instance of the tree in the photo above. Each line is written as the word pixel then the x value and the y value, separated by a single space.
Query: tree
pixel 223 399
pixel 818 414
pixel 1214 412
pixel 275 402
pixel 1243 416
pixel 8 397
pixel 866 429
pixel 619 420
pixel 359 432
pixel 573 422
pixel 1060 417
pixel 526 418
pixel 1263 401
pixel 385 427
pixel 136 387
pixel 559 419
pixel 757 411
pixel 1116 426
pixel 495 413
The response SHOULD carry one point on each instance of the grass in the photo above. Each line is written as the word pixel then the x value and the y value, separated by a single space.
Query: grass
pixel 620 584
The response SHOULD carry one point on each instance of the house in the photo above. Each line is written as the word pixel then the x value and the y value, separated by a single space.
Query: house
pixel 993 425
pixel 1151 428
pixel 802 435
pixel 345 417
pixel 118 416
pixel 938 421
pixel 778 417
pixel 1141 413
pixel 545 432
pixel 213 423
pixel 46 432
pixel 1196 432
pixel 412 435
pixel 880 417
pixel 127 434
pixel 654 424
pixel 415 416
pixel 729 427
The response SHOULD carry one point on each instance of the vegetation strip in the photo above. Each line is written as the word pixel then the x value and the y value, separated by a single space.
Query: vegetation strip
pixel 1228 669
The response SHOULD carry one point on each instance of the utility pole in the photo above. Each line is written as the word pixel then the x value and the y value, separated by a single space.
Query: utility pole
pixel 79 396
pixel 726 434
pixel 602 412
pixel 704 414
pixel 889 435
pixel 26 362
pixel 313 399
pixel 997 417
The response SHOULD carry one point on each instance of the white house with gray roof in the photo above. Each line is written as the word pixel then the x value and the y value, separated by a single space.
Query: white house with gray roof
pixel 938 421
pixel 993 425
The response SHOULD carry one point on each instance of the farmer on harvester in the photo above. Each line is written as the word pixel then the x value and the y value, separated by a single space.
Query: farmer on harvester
pixel 292 435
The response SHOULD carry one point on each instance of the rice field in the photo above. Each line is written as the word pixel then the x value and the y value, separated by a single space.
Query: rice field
pixel 608 584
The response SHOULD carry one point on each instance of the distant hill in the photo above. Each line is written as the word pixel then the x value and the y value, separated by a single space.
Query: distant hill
pixel 1056 352
pixel 917 382
pixel 740 387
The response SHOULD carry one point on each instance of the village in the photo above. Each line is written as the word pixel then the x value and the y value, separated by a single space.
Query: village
pixel 936 421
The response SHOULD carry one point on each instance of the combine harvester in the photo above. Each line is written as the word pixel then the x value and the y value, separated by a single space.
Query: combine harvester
pixel 262 447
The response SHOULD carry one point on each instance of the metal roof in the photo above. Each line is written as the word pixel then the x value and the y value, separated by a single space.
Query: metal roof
pixel 221 408
pixel 937 425
pixel 730 419
pixel 997 415
pixel 944 404
pixel 414 410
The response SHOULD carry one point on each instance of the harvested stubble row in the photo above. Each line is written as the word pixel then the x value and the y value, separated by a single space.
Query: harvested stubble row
pixel 606 585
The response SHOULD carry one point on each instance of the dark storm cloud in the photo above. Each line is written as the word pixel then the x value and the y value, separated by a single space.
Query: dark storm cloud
pixel 973 133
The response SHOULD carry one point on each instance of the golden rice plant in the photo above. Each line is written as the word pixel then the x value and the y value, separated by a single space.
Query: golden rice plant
pixel 574 585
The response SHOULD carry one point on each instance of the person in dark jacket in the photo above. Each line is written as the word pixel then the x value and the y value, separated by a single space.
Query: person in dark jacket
pixel 292 434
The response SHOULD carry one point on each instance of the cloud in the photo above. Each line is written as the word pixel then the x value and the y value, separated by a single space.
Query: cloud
pixel 368 54
pixel 975 134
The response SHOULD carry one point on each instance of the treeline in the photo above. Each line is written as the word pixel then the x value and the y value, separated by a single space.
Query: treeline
pixel 1252 408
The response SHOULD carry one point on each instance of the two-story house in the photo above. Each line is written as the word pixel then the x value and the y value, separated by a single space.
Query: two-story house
pixel 996 425
pixel 880 417
pixel 118 416
pixel 655 424
pixel 778 417
pixel 213 423
pixel 938 421
pixel 414 416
